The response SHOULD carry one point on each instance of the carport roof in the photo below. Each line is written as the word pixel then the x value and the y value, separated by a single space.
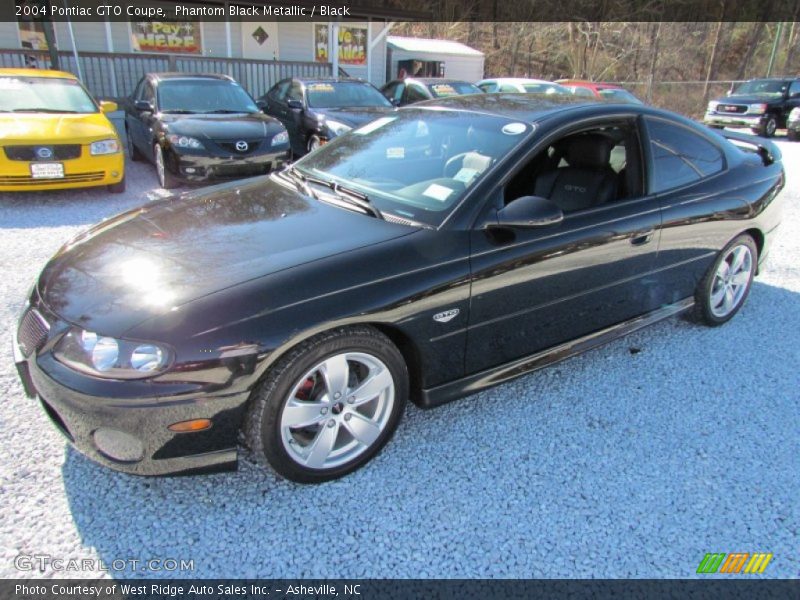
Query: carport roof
pixel 428 46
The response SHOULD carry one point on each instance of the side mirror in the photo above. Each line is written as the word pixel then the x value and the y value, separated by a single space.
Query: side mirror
pixel 262 104
pixel 394 101
pixel 108 106
pixel 143 106
pixel 528 212
pixel 295 104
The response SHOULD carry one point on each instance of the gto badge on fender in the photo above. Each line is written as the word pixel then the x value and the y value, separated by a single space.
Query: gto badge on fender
pixel 448 315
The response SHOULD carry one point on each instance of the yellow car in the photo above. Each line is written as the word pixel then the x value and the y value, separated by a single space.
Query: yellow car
pixel 53 135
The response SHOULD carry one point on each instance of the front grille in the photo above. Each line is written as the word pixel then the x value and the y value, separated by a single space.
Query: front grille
pixel 230 146
pixel 32 332
pixel 71 178
pixel 57 152
pixel 732 109
pixel 241 170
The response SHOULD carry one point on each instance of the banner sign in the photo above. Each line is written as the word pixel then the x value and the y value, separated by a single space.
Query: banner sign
pixel 171 37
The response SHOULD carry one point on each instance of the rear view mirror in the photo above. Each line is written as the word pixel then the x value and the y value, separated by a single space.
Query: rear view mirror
pixel 261 104
pixel 528 212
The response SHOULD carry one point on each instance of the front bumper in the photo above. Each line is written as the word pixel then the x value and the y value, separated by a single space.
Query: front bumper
pixel 83 172
pixel 129 432
pixel 734 120
pixel 197 168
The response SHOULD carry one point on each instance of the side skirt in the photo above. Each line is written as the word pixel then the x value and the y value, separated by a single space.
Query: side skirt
pixel 496 375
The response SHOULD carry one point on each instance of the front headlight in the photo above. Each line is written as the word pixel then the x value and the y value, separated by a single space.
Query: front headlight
pixel 280 139
pixel 111 358
pixel 337 128
pixel 104 147
pixel 184 141
pixel 712 106
pixel 757 109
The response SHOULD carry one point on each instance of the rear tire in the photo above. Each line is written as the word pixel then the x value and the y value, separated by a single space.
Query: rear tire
pixel 133 152
pixel 724 289
pixel 328 406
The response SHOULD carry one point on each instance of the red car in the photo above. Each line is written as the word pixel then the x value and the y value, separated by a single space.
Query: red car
pixel 598 89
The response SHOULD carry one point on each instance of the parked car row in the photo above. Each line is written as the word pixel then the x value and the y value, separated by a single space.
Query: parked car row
pixel 206 127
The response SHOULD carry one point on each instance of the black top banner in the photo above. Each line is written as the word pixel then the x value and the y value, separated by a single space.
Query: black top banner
pixel 403 10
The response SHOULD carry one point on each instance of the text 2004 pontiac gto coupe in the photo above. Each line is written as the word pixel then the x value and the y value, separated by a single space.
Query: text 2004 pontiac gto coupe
pixel 425 255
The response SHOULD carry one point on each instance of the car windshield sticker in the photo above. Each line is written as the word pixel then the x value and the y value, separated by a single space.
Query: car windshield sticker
pixel 377 124
pixel 320 87
pixel 398 152
pixel 444 89
pixel 514 128
pixel 437 192
pixel 6 83
pixel 466 175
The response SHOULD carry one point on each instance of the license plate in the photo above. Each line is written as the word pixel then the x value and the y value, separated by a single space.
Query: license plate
pixel 47 170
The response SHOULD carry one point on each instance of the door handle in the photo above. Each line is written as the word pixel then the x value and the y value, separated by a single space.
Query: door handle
pixel 642 238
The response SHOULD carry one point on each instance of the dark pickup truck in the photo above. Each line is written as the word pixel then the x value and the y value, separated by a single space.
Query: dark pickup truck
pixel 763 105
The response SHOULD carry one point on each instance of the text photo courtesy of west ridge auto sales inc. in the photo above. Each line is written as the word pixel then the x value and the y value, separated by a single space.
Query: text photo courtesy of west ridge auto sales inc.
pixel 410 298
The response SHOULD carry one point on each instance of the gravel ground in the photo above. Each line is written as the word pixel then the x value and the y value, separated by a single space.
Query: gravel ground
pixel 616 463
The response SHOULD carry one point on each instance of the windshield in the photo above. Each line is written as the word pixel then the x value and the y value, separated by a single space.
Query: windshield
pixel 341 94
pixel 761 88
pixel 417 164
pixel 203 96
pixel 618 95
pixel 44 94
pixel 452 88
pixel 544 88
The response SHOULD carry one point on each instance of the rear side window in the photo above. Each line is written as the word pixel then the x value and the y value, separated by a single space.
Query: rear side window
pixel 415 94
pixel 680 156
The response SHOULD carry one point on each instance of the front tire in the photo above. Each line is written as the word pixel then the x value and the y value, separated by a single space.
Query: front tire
pixel 165 178
pixel 768 129
pixel 329 406
pixel 726 285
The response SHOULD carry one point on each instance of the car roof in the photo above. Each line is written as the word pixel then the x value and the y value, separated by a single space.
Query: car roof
pixel 37 73
pixel 530 108
pixel 178 75
pixel 430 80
pixel 515 80
pixel 589 84
pixel 327 79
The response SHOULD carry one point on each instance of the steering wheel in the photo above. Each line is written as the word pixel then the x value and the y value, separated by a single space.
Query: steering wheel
pixel 448 171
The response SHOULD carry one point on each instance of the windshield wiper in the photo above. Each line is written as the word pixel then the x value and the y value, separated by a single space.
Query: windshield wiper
pixel 349 195
pixel 44 110
pixel 179 111
pixel 299 180
pixel 221 111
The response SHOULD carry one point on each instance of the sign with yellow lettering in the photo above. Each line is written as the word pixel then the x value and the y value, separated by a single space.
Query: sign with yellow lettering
pixel 175 37
pixel 352 46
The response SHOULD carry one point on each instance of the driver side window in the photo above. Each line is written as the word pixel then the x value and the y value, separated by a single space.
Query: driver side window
pixel 584 169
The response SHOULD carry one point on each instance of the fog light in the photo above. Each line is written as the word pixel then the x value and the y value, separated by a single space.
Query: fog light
pixel 189 169
pixel 114 174
pixel 118 445
pixel 193 425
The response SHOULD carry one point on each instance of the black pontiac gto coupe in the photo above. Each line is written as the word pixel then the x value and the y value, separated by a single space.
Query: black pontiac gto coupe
pixel 426 255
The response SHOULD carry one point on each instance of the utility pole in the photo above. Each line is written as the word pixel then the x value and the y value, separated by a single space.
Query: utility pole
pixel 778 32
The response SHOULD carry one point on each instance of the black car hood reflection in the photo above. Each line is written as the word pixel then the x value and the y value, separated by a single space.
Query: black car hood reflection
pixel 154 259
pixel 354 115
pixel 222 126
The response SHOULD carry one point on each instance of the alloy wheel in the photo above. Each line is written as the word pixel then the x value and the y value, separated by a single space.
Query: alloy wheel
pixel 731 281
pixel 337 410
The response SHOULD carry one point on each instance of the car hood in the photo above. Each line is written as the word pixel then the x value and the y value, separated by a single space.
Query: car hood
pixel 230 126
pixel 49 128
pixel 153 259
pixel 356 115
pixel 749 99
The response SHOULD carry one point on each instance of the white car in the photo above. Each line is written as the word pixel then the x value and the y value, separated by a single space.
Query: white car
pixel 521 85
